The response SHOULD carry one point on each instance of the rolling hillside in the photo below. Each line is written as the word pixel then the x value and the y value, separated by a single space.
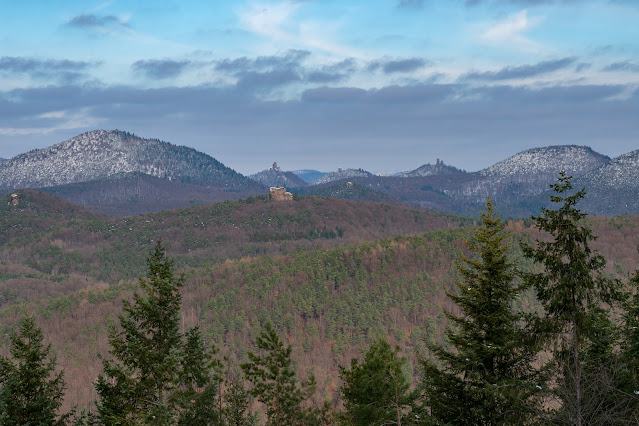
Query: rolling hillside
pixel 99 154
pixel 127 194
pixel 329 302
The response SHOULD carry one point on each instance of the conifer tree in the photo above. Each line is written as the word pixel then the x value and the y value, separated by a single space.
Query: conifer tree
pixel 274 381
pixel 629 356
pixel 375 392
pixel 487 377
pixel 157 375
pixel 572 289
pixel 236 403
pixel 30 392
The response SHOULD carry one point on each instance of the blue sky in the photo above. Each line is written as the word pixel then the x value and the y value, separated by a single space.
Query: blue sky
pixel 383 85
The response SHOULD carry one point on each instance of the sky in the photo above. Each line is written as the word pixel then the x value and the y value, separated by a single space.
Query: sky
pixel 384 85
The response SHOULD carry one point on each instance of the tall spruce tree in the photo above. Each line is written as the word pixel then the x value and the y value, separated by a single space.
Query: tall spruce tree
pixel 572 289
pixel 375 391
pixel 275 384
pixel 627 395
pixel 237 402
pixel 30 392
pixel 486 378
pixel 157 375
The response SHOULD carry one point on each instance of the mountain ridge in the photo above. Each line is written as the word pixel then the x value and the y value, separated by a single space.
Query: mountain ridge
pixel 101 153
pixel 276 177
pixel 439 168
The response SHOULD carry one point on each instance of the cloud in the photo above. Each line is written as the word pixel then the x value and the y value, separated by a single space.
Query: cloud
pixel 292 58
pixel 626 66
pixel 471 3
pixel 334 94
pixel 427 93
pixel 95 21
pixel 160 69
pixel 278 70
pixel 268 79
pixel 549 95
pixel 582 66
pixel 509 30
pixel 331 73
pixel 399 65
pixel 53 121
pixel 324 77
pixel 113 26
pixel 275 23
pixel 522 71
pixel 410 4
pixel 63 70
pixel 467 126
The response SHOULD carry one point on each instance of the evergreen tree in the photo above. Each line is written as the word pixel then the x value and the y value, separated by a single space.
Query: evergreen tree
pixel 487 377
pixel 30 392
pixel 275 383
pixel 157 375
pixel 236 404
pixel 628 395
pixel 375 392
pixel 571 289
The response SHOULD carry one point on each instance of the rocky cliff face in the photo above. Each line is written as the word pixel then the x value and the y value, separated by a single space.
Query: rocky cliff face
pixel 100 153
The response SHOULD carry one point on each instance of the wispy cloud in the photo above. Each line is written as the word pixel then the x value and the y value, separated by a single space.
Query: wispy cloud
pixel 399 65
pixel 510 31
pixel 626 66
pixel 63 70
pixel 96 21
pixel 521 71
pixel 119 27
pixel 277 24
pixel 292 58
pixel 54 121
pixel 160 68
pixel 267 20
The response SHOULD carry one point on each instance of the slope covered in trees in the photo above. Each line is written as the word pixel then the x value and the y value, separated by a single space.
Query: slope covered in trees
pixel 51 236
pixel 329 302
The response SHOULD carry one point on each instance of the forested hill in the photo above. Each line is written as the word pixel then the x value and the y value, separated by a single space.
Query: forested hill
pixel 54 236
pixel 101 153
pixel 330 303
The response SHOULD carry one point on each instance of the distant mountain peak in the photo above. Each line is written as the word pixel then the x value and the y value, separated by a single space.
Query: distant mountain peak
pixel 276 177
pixel 309 175
pixel 530 172
pixel 342 174
pixel 573 159
pixel 439 168
pixel 101 153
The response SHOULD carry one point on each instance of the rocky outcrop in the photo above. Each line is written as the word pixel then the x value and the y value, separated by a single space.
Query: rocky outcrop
pixel 280 194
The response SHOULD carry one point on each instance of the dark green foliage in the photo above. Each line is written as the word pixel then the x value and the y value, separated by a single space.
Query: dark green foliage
pixel 158 375
pixel 627 379
pixel 375 392
pixel 274 381
pixel 487 377
pixel 236 404
pixel 30 392
pixel 572 289
pixel 631 332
